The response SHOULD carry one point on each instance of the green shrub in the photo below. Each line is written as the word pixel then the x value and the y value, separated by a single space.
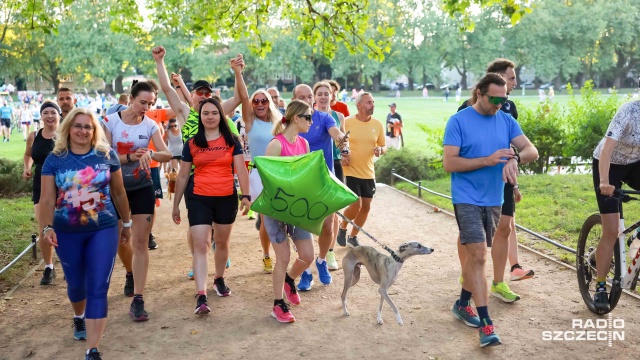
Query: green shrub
pixel 410 164
pixel 587 120
pixel 545 128
pixel 11 182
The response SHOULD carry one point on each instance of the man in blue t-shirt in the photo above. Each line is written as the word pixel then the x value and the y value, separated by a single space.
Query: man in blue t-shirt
pixel 321 135
pixel 477 153
pixel 5 121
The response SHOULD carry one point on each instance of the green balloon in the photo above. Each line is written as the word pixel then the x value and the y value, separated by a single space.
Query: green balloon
pixel 300 190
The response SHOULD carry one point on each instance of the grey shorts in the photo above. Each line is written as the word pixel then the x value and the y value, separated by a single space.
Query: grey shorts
pixel 277 231
pixel 477 223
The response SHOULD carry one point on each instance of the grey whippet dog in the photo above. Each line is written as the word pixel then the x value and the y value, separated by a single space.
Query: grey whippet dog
pixel 383 270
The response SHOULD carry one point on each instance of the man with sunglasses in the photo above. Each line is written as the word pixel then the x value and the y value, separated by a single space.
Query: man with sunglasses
pixel 321 136
pixel 478 155
pixel 505 242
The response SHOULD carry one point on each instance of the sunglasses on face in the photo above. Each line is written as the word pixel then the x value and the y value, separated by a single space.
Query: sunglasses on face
pixel 206 94
pixel 306 117
pixel 496 100
pixel 173 126
pixel 82 127
pixel 260 101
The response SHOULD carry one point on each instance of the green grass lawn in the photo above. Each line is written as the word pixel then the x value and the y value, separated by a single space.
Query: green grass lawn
pixel 17 222
pixel 14 149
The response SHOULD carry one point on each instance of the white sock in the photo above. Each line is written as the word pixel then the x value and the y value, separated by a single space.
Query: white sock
pixel 308 271
pixel 265 256
pixel 78 316
pixel 320 261
pixel 50 266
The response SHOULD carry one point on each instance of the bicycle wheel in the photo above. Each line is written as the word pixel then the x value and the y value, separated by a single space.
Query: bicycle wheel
pixel 590 235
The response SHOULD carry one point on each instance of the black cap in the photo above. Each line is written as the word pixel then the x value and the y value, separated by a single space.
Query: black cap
pixel 202 84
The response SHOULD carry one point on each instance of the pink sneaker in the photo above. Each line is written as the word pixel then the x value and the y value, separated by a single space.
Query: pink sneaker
pixel 521 274
pixel 282 314
pixel 292 294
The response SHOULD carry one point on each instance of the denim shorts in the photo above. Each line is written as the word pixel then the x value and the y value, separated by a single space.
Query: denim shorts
pixel 278 231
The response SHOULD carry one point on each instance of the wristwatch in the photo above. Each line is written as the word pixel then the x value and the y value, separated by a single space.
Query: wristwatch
pixel 127 224
pixel 129 157
pixel 178 87
pixel 517 157
pixel 46 228
pixel 248 197
pixel 151 154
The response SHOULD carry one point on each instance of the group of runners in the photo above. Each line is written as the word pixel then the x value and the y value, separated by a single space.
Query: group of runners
pixel 95 188
pixel 94 182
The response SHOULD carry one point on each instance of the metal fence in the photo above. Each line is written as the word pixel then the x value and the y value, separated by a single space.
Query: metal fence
pixel 422 188
pixel 34 253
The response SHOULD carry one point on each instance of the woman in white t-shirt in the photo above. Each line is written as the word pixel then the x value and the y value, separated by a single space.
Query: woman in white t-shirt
pixel 129 133
pixel 616 160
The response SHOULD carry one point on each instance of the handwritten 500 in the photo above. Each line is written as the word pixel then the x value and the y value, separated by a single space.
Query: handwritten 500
pixel 297 206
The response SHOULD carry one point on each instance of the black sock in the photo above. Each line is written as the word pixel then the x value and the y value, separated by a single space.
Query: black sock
pixel 330 249
pixel 516 265
pixel 483 313
pixel 465 298
pixel 278 302
pixel 129 273
pixel 288 278
pixel 137 297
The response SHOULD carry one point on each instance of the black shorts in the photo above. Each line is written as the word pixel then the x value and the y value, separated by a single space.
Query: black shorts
pixel 157 186
pixel 618 174
pixel 364 188
pixel 337 169
pixel 509 205
pixel 5 122
pixel 205 210
pixel 177 157
pixel 141 201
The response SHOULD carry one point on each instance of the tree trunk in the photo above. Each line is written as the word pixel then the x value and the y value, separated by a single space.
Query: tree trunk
pixel 517 70
pixel 410 78
pixel 377 78
pixel 55 76
pixel 119 87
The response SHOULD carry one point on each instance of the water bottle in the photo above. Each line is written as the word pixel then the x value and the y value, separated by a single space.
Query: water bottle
pixel 635 244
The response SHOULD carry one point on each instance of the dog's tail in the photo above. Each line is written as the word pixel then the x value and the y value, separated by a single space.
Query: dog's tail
pixel 356 274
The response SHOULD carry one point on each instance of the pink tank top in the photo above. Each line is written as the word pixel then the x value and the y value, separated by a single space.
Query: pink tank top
pixel 299 146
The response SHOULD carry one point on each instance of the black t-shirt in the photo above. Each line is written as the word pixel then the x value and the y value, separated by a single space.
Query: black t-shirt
pixel 390 118
pixel 509 107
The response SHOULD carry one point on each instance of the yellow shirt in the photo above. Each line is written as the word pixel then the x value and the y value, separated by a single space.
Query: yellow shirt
pixel 364 136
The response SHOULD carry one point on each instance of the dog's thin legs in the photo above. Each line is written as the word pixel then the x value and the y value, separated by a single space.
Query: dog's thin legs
pixel 347 266
pixel 385 296
pixel 380 321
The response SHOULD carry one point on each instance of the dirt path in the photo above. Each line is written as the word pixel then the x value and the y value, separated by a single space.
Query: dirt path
pixel 36 323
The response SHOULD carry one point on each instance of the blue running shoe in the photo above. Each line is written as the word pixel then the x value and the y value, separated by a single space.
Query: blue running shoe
pixel 466 315
pixel 488 337
pixel 79 329
pixel 228 263
pixel 190 274
pixel 306 282
pixel 323 272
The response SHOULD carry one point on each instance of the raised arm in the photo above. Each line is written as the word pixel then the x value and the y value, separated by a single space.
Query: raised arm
pixel 240 89
pixel 453 162
pixel 183 94
pixel 181 109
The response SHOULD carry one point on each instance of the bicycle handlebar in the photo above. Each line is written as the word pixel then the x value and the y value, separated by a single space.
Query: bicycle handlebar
pixel 623 195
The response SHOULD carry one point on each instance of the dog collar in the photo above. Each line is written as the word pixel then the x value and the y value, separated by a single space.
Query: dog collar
pixel 393 254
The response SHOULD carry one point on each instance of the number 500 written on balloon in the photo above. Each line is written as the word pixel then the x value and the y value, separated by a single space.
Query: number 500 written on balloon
pixel 297 206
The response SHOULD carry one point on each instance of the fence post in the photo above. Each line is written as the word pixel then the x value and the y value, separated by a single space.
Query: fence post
pixel 393 178
pixel 420 189
pixel 34 251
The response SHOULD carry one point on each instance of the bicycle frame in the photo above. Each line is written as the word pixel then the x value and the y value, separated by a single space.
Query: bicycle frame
pixel 632 270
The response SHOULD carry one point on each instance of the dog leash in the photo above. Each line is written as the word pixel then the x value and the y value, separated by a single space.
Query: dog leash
pixel 393 253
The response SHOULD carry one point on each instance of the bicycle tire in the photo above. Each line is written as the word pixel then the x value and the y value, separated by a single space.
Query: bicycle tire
pixel 587 242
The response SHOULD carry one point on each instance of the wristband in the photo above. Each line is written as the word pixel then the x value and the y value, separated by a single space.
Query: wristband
pixel 178 87
pixel 517 157
pixel 516 186
pixel 46 228
pixel 127 224
pixel 151 155
pixel 129 157
pixel 248 197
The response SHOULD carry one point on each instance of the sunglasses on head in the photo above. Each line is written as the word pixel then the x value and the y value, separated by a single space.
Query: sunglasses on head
pixel 260 101
pixel 203 93
pixel 306 117
pixel 496 100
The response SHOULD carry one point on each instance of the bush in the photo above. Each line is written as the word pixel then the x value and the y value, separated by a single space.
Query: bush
pixel 545 128
pixel 410 164
pixel 11 182
pixel 587 121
